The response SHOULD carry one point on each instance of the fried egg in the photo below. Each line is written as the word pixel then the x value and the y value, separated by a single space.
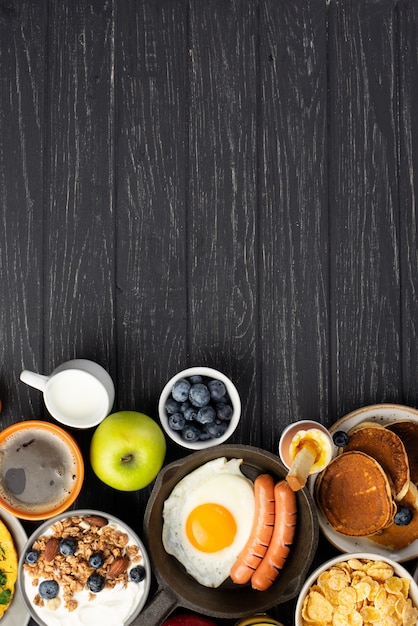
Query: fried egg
pixel 207 519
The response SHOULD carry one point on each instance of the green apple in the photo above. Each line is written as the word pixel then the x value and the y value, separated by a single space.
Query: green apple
pixel 127 450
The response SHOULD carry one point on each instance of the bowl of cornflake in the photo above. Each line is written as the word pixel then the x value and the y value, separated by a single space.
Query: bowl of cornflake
pixel 359 589
pixel 84 567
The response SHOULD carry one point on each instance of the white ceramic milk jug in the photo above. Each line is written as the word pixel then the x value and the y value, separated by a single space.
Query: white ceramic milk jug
pixel 79 393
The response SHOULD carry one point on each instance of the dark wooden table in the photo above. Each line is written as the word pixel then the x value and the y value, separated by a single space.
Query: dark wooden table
pixel 224 183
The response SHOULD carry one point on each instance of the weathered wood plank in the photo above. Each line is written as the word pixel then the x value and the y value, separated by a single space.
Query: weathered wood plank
pixel 292 222
pixel 222 201
pixel 408 196
pixel 79 255
pixel 79 258
pixel 22 114
pixel 364 209
pixel 151 224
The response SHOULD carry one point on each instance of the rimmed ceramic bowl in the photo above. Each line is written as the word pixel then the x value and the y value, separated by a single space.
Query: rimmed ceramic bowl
pixel 41 470
pixel 120 605
pixel 381 414
pixel 399 570
pixel 229 601
pixel 178 436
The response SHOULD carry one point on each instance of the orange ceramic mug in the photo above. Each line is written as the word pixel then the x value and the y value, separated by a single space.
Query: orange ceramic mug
pixel 41 470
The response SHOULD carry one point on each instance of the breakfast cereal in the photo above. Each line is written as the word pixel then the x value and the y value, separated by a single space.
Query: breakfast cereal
pixel 359 592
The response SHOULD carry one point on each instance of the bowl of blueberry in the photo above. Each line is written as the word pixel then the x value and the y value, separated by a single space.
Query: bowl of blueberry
pixel 199 408
pixel 84 566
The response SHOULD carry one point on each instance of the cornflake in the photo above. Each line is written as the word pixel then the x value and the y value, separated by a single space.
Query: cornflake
pixel 359 592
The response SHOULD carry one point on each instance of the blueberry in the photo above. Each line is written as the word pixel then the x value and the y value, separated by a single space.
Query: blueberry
pixel 190 432
pixel 216 429
pixel 223 411
pixel 204 435
pixel 195 379
pixel 32 556
pixel 95 583
pixel 217 389
pixel 403 516
pixel 137 574
pixel 340 438
pixel 181 390
pixel 190 413
pixel 184 406
pixel 199 395
pixel 206 414
pixel 67 546
pixel 48 589
pixel 96 560
pixel 172 406
pixel 176 421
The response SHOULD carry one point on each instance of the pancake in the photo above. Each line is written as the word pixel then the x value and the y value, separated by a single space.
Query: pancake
pixel 354 494
pixel 398 537
pixel 407 431
pixel 387 449
pixel 8 568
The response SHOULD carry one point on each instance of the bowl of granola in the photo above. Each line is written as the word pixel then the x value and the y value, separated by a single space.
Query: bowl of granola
pixel 84 567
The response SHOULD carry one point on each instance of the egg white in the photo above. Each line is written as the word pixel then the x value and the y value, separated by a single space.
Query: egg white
pixel 221 482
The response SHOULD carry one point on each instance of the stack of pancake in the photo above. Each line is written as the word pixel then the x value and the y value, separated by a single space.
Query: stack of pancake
pixel 360 491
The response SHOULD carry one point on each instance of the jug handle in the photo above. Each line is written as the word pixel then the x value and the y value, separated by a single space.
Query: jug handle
pixel 34 380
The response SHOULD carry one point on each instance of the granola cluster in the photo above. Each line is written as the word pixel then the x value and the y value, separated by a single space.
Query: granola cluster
pixel 93 534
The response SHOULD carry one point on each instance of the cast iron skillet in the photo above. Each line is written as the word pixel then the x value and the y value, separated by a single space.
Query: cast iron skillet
pixel 177 588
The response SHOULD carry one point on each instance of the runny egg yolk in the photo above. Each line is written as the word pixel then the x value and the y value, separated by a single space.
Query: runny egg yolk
pixel 210 527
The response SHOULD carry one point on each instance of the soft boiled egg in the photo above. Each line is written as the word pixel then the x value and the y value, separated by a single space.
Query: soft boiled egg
pixel 207 519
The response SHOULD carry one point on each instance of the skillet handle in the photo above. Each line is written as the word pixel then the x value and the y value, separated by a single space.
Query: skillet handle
pixel 161 605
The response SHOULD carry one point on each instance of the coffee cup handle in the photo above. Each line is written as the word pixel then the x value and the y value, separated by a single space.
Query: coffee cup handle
pixel 34 380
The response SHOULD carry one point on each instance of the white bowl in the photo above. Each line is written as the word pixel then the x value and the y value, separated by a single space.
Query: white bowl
pixel 381 414
pixel 233 396
pixel 398 569
pixel 105 602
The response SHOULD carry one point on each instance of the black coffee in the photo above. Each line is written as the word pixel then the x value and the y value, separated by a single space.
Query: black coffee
pixel 37 470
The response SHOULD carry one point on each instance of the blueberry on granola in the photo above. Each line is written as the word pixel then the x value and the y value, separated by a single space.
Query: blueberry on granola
pixel 95 583
pixel 32 556
pixel 67 546
pixel 48 589
pixel 96 560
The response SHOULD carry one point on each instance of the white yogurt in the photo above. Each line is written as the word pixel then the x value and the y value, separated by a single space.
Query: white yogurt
pixel 110 607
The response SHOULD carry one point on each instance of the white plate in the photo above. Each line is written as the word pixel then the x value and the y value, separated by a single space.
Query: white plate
pixel 16 614
pixel 382 414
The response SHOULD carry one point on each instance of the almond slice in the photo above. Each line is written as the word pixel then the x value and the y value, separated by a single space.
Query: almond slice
pixel 51 549
pixel 119 566
pixel 96 520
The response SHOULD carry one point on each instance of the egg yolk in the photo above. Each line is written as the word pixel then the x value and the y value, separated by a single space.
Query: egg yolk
pixel 210 527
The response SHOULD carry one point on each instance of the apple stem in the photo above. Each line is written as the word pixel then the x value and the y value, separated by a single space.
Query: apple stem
pixel 127 458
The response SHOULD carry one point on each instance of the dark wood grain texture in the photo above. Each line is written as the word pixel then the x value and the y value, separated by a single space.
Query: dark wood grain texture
pixel 151 190
pixel 229 183
pixel 79 244
pixel 408 194
pixel 151 278
pixel 79 222
pixel 364 209
pixel 292 216
pixel 22 167
pixel 222 203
